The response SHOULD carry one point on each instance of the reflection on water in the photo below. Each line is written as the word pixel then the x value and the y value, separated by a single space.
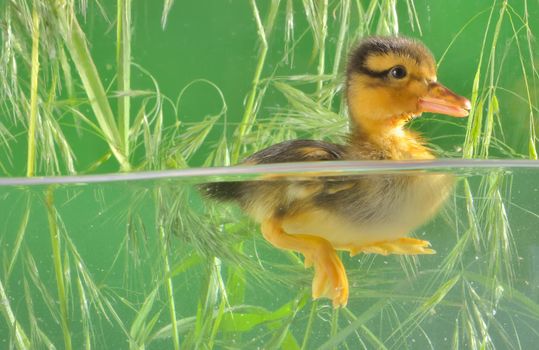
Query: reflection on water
pixel 127 264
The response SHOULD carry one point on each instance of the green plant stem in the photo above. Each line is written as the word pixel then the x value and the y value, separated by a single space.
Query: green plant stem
pixel 58 268
pixel 20 237
pixel 75 40
pixel 343 28
pixel 21 340
pixel 334 322
pixel 532 151
pixel 30 165
pixel 368 314
pixel 123 62
pixel 166 9
pixel 308 330
pixel 492 85
pixel 473 128
pixel 170 290
pixel 322 46
pixel 249 115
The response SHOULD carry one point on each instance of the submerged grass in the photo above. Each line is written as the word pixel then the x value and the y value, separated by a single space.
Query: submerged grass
pixel 214 250
pixel 59 268
pixel 18 337
pixel 165 244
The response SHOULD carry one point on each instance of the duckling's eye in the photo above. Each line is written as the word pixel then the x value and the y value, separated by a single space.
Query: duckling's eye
pixel 398 72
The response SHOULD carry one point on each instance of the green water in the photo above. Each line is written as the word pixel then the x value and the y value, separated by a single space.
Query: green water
pixel 114 262
pixel 231 289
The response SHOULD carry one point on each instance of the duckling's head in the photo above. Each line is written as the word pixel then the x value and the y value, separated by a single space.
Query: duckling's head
pixel 391 80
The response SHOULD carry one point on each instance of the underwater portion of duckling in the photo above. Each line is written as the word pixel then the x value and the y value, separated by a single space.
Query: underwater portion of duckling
pixel 129 262
pixel 390 80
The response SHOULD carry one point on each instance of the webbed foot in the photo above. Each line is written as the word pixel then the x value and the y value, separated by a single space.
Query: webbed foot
pixel 330 279
pixel 402 246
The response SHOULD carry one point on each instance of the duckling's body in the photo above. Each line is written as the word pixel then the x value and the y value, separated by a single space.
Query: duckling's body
pixel 349 211
pixel 387 207
pixel 389 81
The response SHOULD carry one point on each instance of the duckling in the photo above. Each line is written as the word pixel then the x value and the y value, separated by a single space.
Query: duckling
pixel 389 81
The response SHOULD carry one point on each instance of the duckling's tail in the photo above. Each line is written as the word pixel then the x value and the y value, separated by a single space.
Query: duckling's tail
pixel 223 191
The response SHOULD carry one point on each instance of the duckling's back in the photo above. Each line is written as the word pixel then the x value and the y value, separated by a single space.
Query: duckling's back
pixel 284 152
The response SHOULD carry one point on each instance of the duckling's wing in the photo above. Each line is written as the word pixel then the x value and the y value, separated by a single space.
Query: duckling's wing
pixel 297 151
pixel 284 152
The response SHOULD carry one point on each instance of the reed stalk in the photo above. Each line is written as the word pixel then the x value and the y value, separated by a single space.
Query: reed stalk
pixel 169 287
pixel 249 115
pixel 54 232
pixel 123 63
pixel 30 164
pixel 322 44
pixel 75 40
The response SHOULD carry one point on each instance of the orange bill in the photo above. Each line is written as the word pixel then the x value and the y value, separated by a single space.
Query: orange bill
pixel 440 99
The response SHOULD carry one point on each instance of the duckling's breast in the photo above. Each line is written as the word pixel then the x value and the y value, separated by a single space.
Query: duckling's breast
pixel 371 208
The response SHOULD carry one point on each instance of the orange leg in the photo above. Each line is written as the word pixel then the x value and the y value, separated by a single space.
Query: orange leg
pixel 402 246
pixel 330 279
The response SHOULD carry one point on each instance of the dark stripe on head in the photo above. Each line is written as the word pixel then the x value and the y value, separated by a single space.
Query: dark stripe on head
pixel 377 46
pixel 374 74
